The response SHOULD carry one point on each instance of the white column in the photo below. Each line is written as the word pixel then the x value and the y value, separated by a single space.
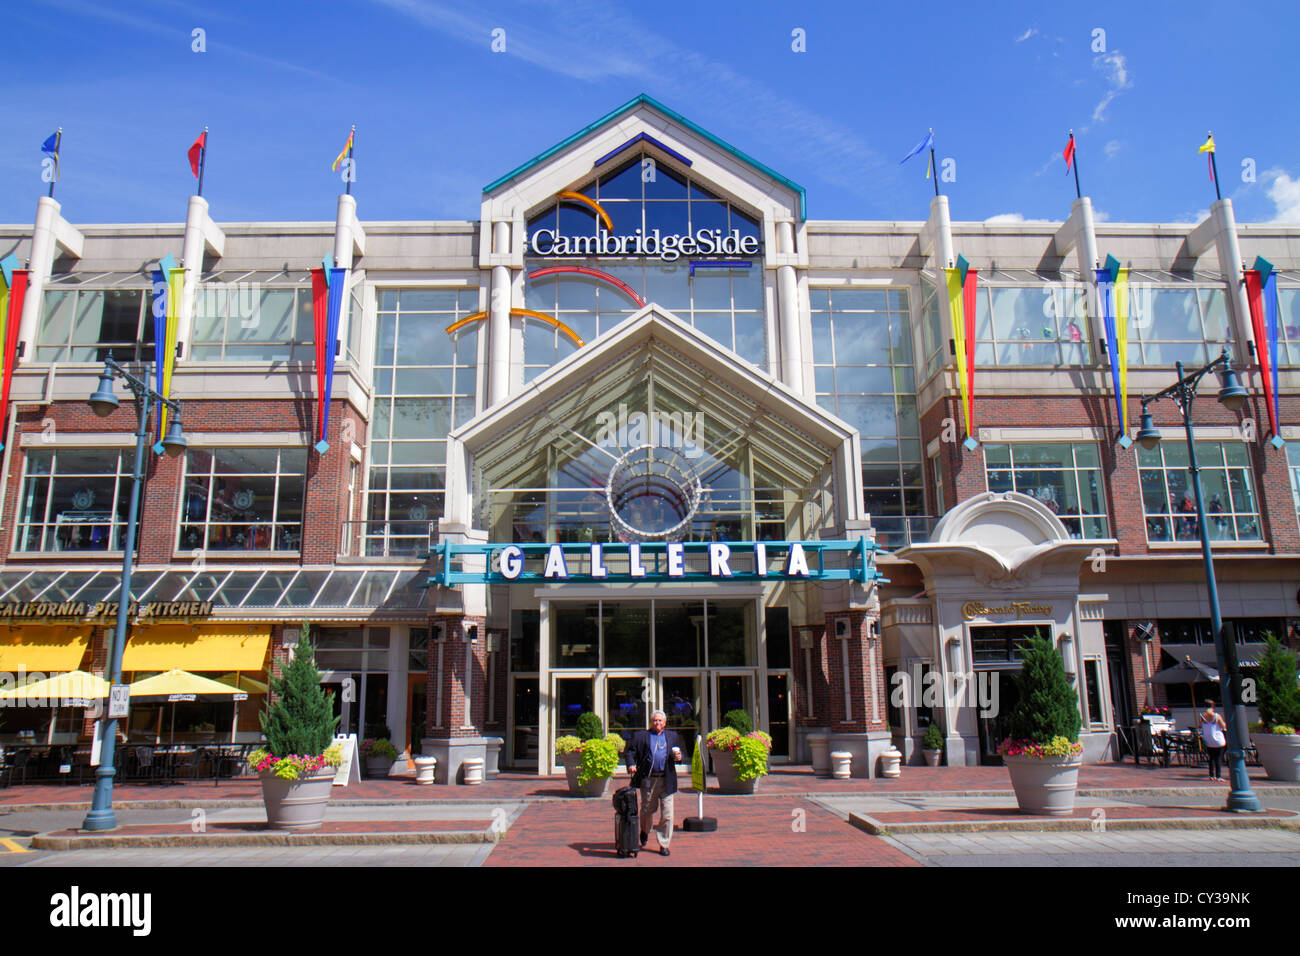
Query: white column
pixel 49 232
pixel 545 757
pixel 398 719
pixel 1225 241
pixel 942 226
pixel 787 288
pixel 499 319
pixel 349 240
pixel 200 236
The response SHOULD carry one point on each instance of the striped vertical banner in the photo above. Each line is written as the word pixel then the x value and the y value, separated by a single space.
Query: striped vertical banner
pixel 1112 289
pixel 328 286
pixel 1261 295
pixel 962 283
pixel 168 283
pixel 13 290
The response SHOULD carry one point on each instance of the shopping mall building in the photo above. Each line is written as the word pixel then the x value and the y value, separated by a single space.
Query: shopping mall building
pixel 646 435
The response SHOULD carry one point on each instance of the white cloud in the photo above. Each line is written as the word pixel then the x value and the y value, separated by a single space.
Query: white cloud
pixel 1285 193
pixel 1010 218
pixel 1111 148
pixel 1115 66
pixel 1031 32
pixel 1099 215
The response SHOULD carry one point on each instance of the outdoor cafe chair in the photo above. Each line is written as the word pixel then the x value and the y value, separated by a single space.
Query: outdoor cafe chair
pixel 186 764
pixel 16 760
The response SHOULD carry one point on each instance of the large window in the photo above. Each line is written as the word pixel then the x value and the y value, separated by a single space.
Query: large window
pixel 1040 324
pixel 1293 468
pixel 425 383
pixel 1288 352
pixel 862 356
pixel 1227 488
pixel 720 296
pixel 90 325
pixel 73 500
pixel 247 323
pixel 1064 477
pixel 1168 325
pixel 243 499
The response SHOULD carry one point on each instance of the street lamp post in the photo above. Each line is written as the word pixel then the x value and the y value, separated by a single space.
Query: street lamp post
pixel 1231 396
pixel 103 403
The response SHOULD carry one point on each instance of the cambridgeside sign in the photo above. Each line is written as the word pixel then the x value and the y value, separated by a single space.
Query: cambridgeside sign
pixel 654 244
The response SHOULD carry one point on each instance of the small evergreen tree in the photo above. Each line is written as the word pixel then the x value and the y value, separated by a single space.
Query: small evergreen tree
pixel 1279 697
pixel 589 726
pixel 739 721
pixel 301 721
pixel 933 738
pixel 1048 706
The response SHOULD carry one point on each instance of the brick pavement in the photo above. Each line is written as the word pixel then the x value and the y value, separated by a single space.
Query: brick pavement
pixel 751 832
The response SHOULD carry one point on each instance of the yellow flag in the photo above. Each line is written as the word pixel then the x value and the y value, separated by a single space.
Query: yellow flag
pixel 1208 147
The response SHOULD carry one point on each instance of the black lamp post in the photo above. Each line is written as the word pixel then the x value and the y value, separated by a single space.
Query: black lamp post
pixel 1231 396
pixel 104 403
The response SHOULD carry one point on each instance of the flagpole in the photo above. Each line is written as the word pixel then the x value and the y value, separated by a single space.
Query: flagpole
pixel 1078 193
pixel 351 167
pixel 1214 171
pixel 203 158
pixel 58 143
pixel 934 168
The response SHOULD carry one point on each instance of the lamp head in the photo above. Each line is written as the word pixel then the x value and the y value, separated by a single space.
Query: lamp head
pixel 1231 395
pixel 174 441
pixel 1148 435
pixel 103 403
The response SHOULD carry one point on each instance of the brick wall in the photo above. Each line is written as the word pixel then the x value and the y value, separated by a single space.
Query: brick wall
pixel 464 668
pixel 865 674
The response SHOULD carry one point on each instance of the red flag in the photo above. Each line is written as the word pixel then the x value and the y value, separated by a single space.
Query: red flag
pixel 1069 153
pixel 196 152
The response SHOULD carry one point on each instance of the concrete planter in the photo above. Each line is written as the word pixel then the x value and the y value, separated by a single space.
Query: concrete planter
pixel 820 745
pixel 1045 787
pixel 725 770
pixel 378 767
pixel 592 788
pixel 1279 754
pixel 933 758
pixel 297 805
pixel 424 769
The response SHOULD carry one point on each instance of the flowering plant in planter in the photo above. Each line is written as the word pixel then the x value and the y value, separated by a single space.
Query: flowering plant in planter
pixel 1160 711
pixel 295 766
pixel 748 751
pixel 299 726
pixel 599 755
pixel 1279 696
pixel 381 748
pixel 1056 747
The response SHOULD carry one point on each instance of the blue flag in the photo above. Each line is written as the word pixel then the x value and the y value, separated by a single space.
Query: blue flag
pixel 51 146
pixel 920 147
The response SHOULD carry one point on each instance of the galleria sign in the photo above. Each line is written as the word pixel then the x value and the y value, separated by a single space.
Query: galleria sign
pixel 796 562
pixel 655 245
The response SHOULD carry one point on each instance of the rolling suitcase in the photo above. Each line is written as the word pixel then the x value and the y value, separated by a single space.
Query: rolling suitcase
pixel 627 827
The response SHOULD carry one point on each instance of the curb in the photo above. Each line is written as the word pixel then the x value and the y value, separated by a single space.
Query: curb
pixel 874 827
pixel 45 841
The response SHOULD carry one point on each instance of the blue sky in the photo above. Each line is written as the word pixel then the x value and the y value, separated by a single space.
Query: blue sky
pixel 439 114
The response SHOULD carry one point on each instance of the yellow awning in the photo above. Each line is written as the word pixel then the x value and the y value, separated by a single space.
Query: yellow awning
pixel 208 647
pixel 46 649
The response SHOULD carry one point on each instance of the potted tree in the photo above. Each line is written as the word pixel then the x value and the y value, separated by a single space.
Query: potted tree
pixel 932 745
pixel 297 764
pixel 590 758
pixel 1043 752
pixel 738 752
pixel 1275 737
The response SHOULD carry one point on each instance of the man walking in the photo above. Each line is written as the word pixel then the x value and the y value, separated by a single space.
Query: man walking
pixel 652 759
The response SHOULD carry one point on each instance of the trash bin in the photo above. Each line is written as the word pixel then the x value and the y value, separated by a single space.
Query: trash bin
pixel 890 761
pixel 841 765
pixel 473 770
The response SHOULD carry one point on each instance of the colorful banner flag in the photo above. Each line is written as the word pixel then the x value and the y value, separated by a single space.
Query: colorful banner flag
pixel 962 283
pixel 1069 153
pixel 168 287
pixel 1208 147
pixel 51 146
pixel 343 153
pixel 13 290
pixel 927 143
pixel 1112 289
pixel 1261 295
pixel 327 290
pixel 196 153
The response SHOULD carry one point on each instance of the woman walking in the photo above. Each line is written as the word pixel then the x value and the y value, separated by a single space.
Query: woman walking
pixel 1212 735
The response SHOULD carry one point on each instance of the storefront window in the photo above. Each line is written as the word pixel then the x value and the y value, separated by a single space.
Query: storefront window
pixel 73 500
pixel 425 384
pixel 1227 488
pixel 1041 324
pixel 1066 478
pixel 1288 321
pixel 243 499
pixel 89 325
pixel 862 355
pixel 245 322
pixel 1169 325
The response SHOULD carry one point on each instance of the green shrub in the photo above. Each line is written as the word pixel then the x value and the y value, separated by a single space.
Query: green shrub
pixel 567 744
pixel 1048 706
pixel 599 760
pixel 617 740
pixel 738 720
pixel 750 757
pixel 724 738
pixel 589 726
pixel 933 738
pixel 301 721
pixel 383 748
pixel 1279 698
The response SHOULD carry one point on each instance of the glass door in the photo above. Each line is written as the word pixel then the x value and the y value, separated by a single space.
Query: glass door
pixel 627 699
pixel 417 710
pixel 778 714
pixel 733 690
pixel 572 695
pixel 679 699
pixel 523 722
pixel 993 730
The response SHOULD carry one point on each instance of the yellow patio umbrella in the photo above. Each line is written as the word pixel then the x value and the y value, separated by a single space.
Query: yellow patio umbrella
pixel 175 686
pixel 71 689
pixel 245 683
